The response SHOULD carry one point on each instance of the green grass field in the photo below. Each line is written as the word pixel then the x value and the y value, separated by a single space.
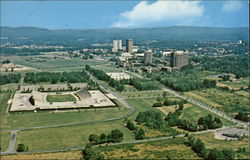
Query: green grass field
pixel 5 139
pixel 164 149
pixel 67 137
pixel 61 98
pixel 31 119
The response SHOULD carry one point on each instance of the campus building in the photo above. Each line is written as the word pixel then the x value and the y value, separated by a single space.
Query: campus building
pixel 117 45
pixel 129 46
pixel 179 59
pixel 148 57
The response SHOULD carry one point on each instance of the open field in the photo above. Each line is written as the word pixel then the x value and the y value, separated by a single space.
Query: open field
pixel 227 101
pixel 5 140
pixel 76 155
pixel 173 148
pixel 51 63
pixel 68 137
pixel 61 98
pixel 211 142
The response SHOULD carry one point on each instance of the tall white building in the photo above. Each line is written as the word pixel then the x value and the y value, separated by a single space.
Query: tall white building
pixel 117 45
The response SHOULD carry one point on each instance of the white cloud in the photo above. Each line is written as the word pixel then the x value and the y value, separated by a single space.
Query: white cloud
pixel 231 6
pixel 145 13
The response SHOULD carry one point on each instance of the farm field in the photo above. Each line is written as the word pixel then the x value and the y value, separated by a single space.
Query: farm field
pixel 228 101
pixel 68 137
pixel 5 140
pixel 173 148
pixel 60 98
pixel 211 142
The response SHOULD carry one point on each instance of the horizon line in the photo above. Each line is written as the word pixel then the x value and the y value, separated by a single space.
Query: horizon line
pixel 120 27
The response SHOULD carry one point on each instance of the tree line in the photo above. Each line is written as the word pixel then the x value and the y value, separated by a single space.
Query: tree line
pixel 55 77
pixel 9 78
pixel 115 136
pixel 243 116
pixel 184 80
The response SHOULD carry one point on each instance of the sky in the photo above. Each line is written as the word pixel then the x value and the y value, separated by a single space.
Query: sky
pixel 124 13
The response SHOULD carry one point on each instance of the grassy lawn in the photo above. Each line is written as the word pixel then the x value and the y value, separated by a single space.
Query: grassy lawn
pixel 67 137
pixel 229 102
pixel 172 148
pixel 211 142
pixel 30 119
pixel 61 98
pixel 5 139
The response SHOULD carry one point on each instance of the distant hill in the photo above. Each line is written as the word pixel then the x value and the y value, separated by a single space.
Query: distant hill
pixel 163 33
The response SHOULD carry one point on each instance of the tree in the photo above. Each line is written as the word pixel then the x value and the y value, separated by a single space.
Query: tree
pixel 140 134
pixel 20 147
pixel 228 154
pixel 103 138
pixel 131 125
pixel 181 106
pixel 93 138
pixel 164 94
pixel 198 146
pixel 90 153
pixel 117 135
pixel 215 154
